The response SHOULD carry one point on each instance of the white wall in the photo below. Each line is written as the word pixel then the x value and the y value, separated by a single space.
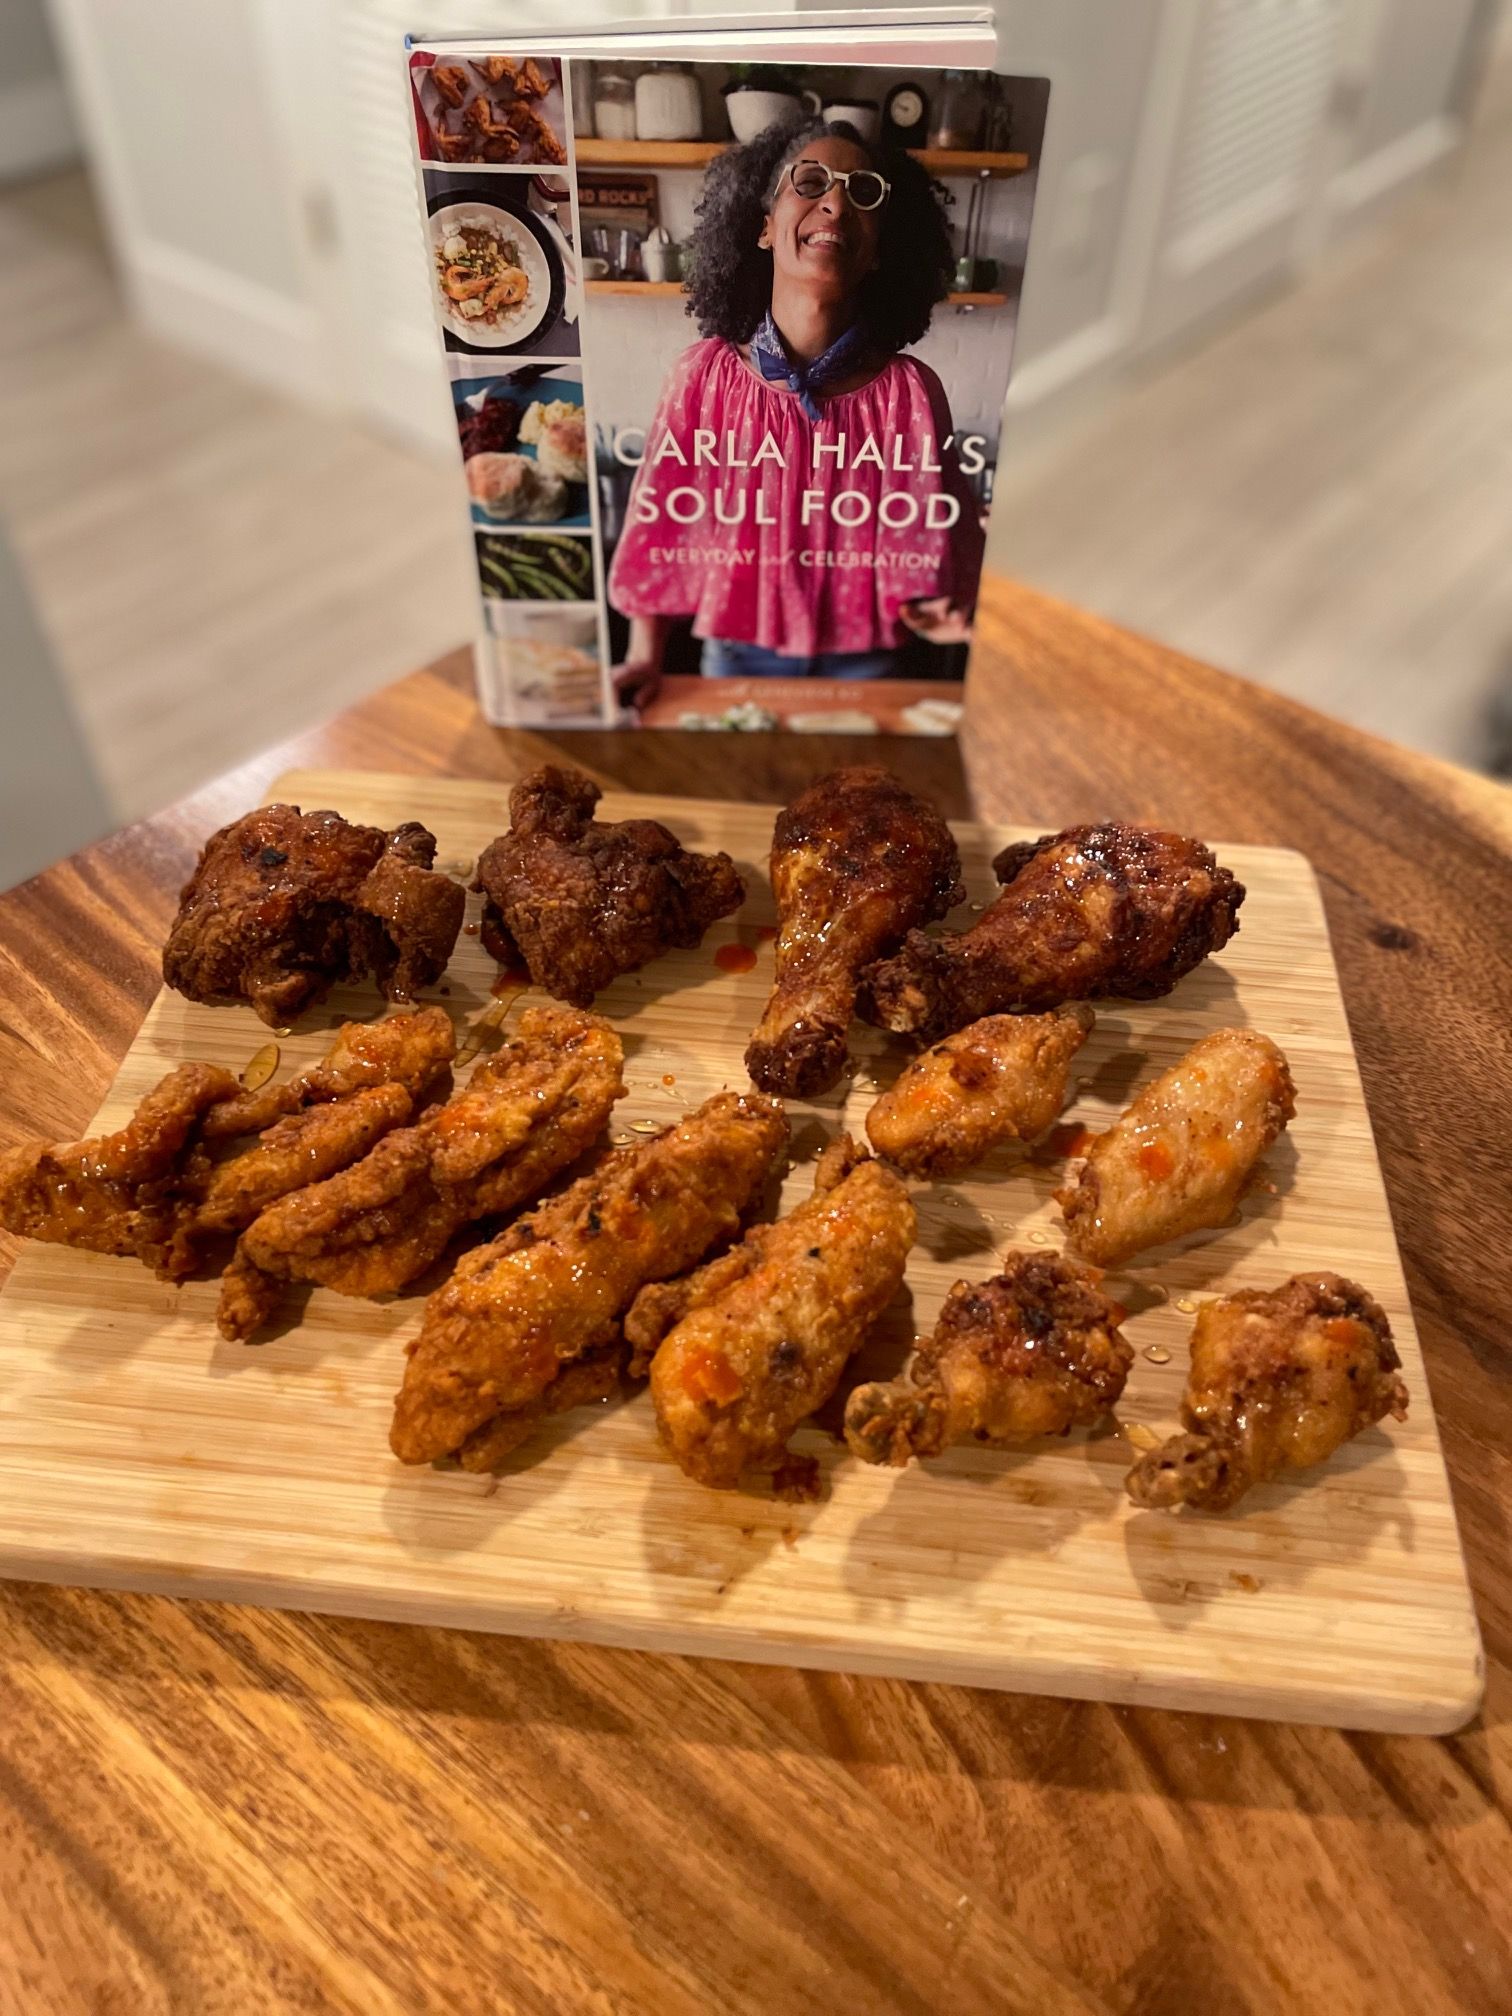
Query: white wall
pixel 36 123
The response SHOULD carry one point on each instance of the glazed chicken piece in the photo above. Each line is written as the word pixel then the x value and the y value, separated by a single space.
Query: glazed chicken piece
pixel 1001 1079
pixel 1091 912
pixel 527 1113
pixel 1279 1380
pixel 530 80
pixel 155 1191
pixel 496 70
pixel 1179 1159
pixel 1035 1351
pixel 750 1345
pixel 534 132
pixel 579 902
pixel 857 861
pixel 285 904
pixel 450 80
pixel 549 1292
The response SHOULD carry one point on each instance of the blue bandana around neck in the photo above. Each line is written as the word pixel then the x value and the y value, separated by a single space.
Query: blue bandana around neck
pixel 806 380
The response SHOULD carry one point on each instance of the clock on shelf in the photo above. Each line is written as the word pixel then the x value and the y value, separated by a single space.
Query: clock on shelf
pixel 905 116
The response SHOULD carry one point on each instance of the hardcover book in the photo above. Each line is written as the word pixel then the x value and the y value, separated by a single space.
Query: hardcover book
pixel 728 313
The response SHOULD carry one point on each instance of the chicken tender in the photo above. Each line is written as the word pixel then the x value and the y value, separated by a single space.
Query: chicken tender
pixel 551 1290
pixel 1035 1351
pixel 527 1113
pixel 412 1050
pixel 753 1343
pixel 1279 1380
pixel 1087 913
pixel 1001 1079
pixel 1181 1156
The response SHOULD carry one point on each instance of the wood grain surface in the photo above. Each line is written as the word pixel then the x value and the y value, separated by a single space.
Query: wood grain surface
pixel 263 1474
pixel 209 1808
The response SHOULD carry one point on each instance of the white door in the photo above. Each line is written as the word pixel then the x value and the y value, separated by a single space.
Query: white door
pixel 1251 84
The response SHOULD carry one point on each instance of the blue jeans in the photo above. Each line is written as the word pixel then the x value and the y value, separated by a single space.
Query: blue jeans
pixel 725 660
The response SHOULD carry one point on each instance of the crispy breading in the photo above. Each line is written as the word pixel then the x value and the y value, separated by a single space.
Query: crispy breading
pixel 1035 1351
pixel 1181 1156
pixel 1278 1381
pixel 552 1288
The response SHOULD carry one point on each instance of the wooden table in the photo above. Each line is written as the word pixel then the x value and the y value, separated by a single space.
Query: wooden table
pixel 216 1809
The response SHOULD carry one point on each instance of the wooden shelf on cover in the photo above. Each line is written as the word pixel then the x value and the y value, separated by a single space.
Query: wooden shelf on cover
pixel 676 287
pixel 699 153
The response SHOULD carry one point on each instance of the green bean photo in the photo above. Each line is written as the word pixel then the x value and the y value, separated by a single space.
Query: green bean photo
pixel 535 566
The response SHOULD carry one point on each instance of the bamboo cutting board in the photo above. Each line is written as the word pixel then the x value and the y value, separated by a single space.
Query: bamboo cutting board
pixel 137 1450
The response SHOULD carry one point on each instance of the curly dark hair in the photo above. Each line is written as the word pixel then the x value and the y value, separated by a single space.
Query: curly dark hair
pixel 730 287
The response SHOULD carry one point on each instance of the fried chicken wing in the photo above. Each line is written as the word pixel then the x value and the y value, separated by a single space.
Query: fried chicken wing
pixel 551 1290
pixel 450 80
pixel 581 902
pixel 1001 1079
pixel 285 904
pixel 1279 1380
pixel 1180 1157
pixel 857 861
pixel 758 1339
pixel 527 1113
pixel 1035 1351
pixel 1091 912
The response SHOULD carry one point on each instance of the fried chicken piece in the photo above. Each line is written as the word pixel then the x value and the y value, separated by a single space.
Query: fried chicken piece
pixel 527 1113
pixel 450 146
pixel 154 1191
pixel 748 1347
pixel 1279 1380
pixel 450 80
pixel 551 1289
pixel 1001 1079
pixel 580 902
pixel 1035 1351
pixel 530 80
pixel 496 70
pixel 534 132
pixel 1181 1156
pixel 1091 912
pixel 857 861
pixel 285 904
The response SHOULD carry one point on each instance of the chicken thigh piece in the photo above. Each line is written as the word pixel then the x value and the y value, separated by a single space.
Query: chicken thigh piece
pixel 1035 1351
pixel 1001 1079
pixel 1279 1380
pixel 858 860
pixel 1091 912
pixel 1180 1158
pixel 550 1291
pixel 747 1348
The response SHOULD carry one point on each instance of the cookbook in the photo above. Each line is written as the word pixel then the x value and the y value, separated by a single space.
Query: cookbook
pixel 728 313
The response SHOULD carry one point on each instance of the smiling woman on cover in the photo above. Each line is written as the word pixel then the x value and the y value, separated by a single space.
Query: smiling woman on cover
pixel 797 497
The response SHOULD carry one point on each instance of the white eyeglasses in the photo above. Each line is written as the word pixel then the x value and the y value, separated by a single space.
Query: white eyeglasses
pixel 865 188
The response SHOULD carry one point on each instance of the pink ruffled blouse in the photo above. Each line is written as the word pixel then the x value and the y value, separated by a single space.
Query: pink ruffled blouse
pixel 768 529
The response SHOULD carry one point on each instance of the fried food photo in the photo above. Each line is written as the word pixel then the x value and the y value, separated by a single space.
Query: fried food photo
pixel 1181 1156
pixel 747 1348
pixel 156 1190
pixel 580 902
pixel 1035 1351
pixel 527 1113
pixel 1279 1380
pixel 1093 912
pixel 1001 1079
pixel 546 1297
pixel 284 905
pixel 858 861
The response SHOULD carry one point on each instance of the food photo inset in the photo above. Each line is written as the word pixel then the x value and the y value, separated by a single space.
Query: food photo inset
pixel 535 566
pixel 524 446
pixel 503 264
pixel 490 111
pixel 540 665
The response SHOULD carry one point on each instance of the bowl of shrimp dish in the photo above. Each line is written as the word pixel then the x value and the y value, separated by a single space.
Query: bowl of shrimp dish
pixel 495 276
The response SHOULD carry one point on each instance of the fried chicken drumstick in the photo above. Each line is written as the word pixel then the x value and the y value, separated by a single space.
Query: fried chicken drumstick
pixel 1001 1079
pixel 754 1342
pixel 154 1191
pixel 1091 912
pixel 527 1113
pixel 858 860
pixel 542 1303
pixel 1035 1351
pixel 1279 1380
pixel 285 904
pixel 580 902
pixel 1180 1158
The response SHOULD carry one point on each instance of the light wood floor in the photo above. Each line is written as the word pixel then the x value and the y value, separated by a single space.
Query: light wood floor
pixel 1319 496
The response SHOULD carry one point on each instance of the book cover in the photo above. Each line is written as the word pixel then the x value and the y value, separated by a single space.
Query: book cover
pixel 728 342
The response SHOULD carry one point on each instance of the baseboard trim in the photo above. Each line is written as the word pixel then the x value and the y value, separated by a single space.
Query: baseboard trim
pixel 1379 175
pixel 232 320
pixel 37 128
